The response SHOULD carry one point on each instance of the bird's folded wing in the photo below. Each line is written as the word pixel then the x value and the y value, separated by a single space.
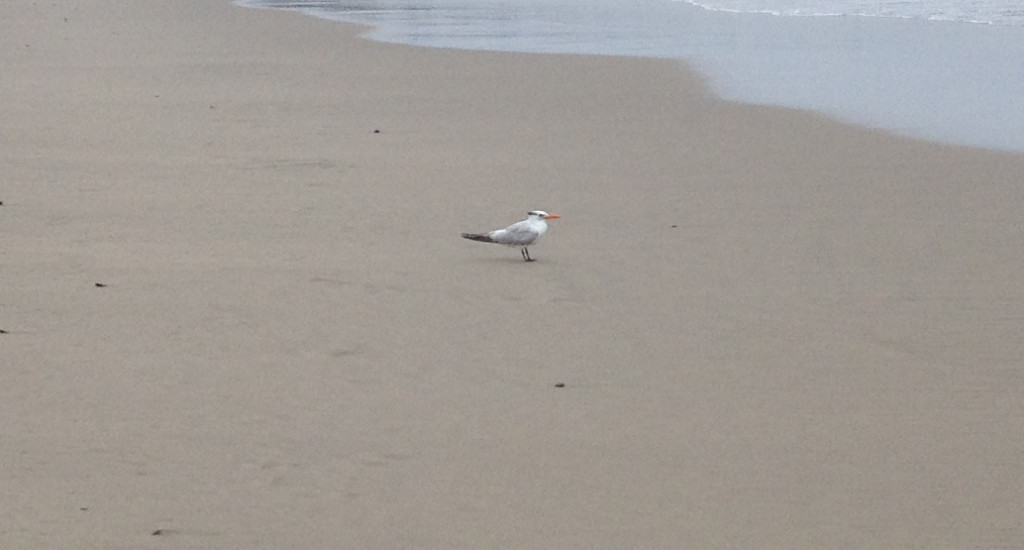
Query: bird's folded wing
pixel 516 234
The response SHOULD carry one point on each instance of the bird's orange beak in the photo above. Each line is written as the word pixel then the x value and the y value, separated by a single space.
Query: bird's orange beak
pixel 552 217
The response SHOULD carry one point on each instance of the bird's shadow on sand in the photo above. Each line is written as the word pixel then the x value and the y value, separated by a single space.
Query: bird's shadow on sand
pixel 507 261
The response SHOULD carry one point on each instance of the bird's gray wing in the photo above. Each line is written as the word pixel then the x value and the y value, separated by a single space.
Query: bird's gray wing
pixel 517 234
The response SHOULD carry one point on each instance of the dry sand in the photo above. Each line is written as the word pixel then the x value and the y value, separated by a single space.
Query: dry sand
pixel 774 331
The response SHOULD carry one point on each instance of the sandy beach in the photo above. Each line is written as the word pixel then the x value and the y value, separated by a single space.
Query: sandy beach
pixel 237 312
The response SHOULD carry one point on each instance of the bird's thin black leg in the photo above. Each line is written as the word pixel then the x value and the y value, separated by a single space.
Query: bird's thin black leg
pixel 526 254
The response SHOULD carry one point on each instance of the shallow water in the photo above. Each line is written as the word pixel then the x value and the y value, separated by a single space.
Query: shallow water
pixel 955 82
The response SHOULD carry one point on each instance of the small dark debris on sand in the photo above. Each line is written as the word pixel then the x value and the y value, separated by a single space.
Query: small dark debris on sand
pixel 559 385
pixel 101 285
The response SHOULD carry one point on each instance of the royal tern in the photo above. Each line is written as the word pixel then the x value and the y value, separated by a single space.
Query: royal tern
pixel 520 234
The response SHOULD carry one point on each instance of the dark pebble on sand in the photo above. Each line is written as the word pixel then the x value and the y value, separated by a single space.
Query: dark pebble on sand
pixel 376 131
pixel 559 385
pixel 675 226
pixel 158 532
pixel 101 285
pixel 2 331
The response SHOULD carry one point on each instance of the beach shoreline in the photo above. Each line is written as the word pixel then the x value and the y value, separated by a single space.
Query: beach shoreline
pixel 237 312
pixel 945 81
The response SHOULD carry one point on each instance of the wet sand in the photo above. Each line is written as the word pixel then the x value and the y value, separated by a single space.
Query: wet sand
pixel 238 313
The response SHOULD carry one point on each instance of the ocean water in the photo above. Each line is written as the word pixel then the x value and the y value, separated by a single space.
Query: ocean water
pixel 990 12
pixel 944 70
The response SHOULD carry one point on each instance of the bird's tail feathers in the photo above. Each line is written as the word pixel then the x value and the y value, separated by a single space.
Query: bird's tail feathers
pixel 474 237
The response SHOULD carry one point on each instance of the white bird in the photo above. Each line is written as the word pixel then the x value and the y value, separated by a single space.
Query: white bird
pixel 520 234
